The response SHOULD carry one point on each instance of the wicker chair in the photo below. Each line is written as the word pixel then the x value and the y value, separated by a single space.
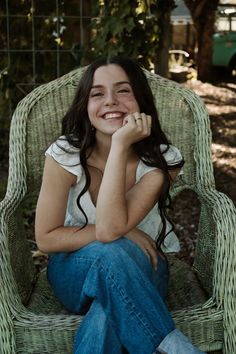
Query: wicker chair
pixel 202 298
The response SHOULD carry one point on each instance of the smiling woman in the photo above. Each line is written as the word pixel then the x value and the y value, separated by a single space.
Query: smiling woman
pixel 111 99
pixel 101 214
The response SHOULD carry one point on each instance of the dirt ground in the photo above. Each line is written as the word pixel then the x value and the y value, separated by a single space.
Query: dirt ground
pixel 220 100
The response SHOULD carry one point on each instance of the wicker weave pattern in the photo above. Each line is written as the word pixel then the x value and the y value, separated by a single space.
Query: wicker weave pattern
pixel 43 326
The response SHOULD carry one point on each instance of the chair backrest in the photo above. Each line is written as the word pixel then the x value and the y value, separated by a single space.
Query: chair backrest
pixel 37 123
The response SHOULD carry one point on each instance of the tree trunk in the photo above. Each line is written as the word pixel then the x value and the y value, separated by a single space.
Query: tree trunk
pixel 205 47
pixel 203 14
pixel 161 64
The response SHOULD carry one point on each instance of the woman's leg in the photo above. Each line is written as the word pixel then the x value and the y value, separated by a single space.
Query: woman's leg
pixel 96 334
pixel 119 276
pixel 176 342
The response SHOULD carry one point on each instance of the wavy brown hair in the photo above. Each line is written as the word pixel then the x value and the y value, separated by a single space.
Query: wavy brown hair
pixel 77 129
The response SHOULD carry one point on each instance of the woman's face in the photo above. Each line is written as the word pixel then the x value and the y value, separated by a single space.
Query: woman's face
pixel 111 99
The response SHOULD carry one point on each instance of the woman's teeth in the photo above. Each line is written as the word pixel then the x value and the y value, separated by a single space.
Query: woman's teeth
pixel 113 115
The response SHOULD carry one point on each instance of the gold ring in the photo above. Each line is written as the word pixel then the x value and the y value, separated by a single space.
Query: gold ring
pixel 138 118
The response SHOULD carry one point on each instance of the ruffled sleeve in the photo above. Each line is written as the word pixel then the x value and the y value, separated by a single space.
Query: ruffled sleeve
pixel 66 155
pixel 172 155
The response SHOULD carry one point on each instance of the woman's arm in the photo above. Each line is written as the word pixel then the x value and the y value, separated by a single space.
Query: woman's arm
pixel 117 211
pixel 51 235
pixel 174 173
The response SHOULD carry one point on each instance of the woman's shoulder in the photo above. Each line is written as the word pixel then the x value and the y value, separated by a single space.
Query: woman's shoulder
pixel 171 154
pixel 142 169
pixel 61 145
pixel 67 155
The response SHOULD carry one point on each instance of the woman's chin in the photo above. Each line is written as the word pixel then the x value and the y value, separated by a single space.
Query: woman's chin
pixel 107 132
pixel 113 129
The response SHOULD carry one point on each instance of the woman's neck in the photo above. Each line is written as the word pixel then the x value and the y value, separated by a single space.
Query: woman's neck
pixel 102 148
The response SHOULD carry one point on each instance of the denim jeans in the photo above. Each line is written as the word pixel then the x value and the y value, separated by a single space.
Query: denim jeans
pixel 120 295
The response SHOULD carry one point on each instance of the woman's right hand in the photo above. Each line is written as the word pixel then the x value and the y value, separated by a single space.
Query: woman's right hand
pixel 147 244
pixel 136 126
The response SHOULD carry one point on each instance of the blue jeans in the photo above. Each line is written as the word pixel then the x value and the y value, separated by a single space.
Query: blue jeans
pixel 122 297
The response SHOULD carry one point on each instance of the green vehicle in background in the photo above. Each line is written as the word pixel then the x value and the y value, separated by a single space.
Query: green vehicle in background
pixel 224 49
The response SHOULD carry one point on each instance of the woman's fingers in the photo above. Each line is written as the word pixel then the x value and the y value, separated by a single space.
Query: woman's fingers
pixel 150 250
pixel 147 245
pixel 129 119
pixel 144 122
pixel 137 125
pixel 138 118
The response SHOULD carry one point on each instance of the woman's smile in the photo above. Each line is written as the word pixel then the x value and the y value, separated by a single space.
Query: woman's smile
pixel 113 115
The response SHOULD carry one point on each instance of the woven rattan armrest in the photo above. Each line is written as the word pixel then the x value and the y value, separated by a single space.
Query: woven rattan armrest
pixel 221 219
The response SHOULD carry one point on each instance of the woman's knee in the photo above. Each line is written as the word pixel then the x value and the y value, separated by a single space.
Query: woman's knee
pixel 97 248
pixel 120 253
pixel 122 246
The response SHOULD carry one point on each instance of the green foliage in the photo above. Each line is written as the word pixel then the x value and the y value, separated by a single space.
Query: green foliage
pixel 132 29
pixel 43 43
pixel 40 39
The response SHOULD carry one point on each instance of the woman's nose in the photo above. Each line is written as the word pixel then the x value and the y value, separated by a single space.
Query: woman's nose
pixel 110 99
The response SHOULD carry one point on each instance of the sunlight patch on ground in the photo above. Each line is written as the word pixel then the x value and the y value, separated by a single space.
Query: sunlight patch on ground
pixel 219 110
pixel 225 92
pixel 224 155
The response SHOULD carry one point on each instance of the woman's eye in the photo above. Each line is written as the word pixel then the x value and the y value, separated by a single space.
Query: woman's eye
pixel 96 94
pixel 123 90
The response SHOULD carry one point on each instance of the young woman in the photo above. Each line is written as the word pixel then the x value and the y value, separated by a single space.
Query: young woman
pixel 101 214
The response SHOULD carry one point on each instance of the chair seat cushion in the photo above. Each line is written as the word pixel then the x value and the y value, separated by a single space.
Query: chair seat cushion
pixel 185 289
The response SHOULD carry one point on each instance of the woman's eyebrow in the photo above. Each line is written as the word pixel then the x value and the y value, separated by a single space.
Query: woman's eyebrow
pixel 116 84
pixel 122 82
pixel 96 86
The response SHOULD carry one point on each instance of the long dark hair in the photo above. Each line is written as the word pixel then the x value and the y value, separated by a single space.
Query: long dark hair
pixel 78 131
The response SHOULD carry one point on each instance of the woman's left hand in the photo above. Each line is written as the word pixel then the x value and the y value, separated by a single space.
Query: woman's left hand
pixel 147 244
pixel 136 126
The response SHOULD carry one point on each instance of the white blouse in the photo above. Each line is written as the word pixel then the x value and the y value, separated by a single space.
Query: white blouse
pixel 68 157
